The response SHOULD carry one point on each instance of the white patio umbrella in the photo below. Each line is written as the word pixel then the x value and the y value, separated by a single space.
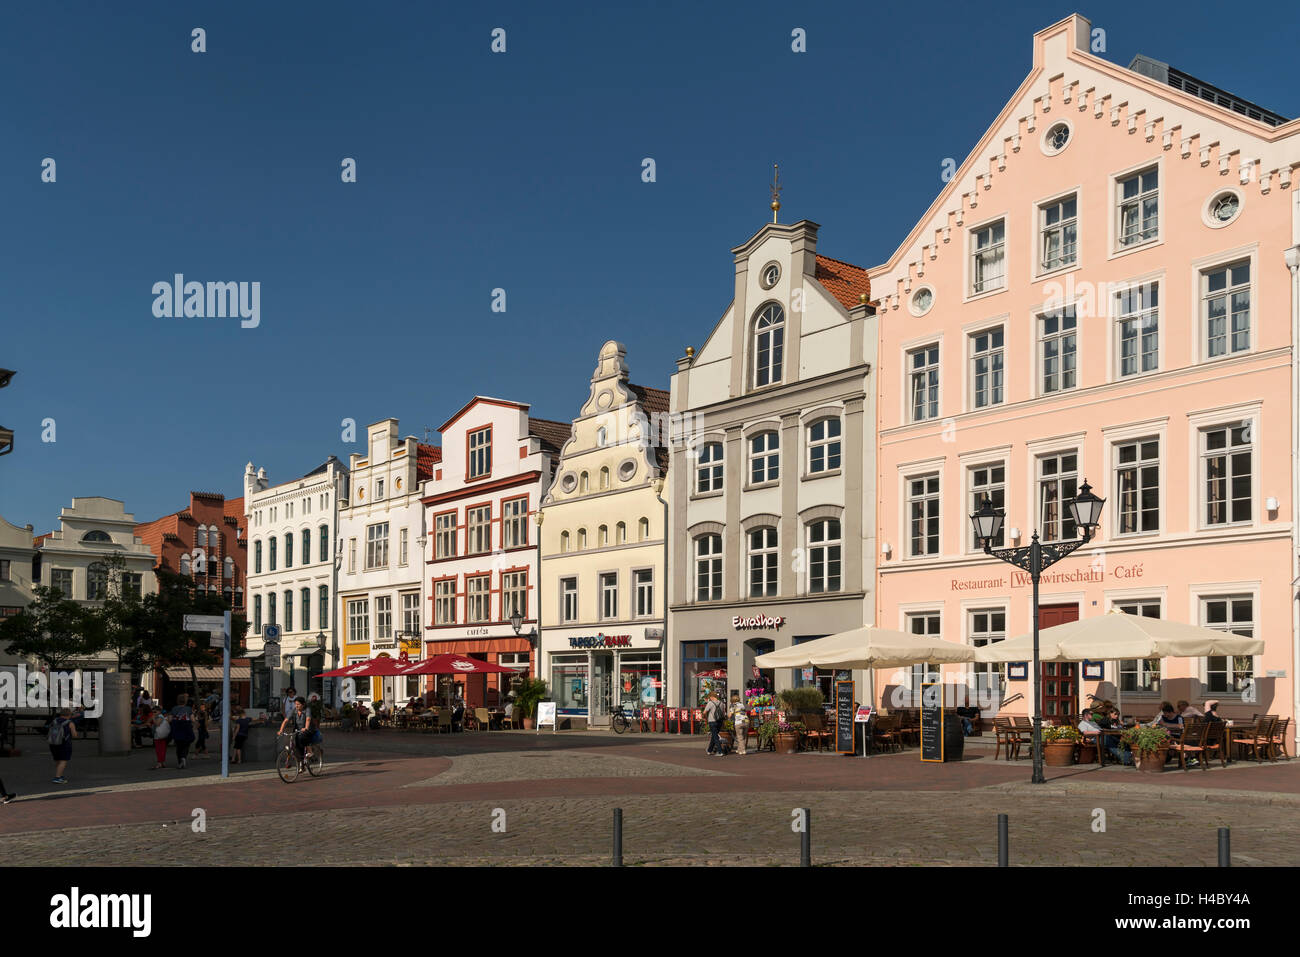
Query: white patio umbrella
pixel 1118 635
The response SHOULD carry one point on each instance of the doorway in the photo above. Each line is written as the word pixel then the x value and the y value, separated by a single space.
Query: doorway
pixel 1060 679
pixel 601 694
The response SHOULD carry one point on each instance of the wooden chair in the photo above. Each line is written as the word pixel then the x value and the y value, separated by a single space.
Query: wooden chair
pixel 1005 736
pixel 482 719
pixel 1192 742
pixel 1261 742
pixel 444 721
pixel 1279 738
pixel 1214 742
pixel 816 733
pixel 885 732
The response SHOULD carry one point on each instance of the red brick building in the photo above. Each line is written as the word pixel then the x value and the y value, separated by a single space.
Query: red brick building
pixel 207 543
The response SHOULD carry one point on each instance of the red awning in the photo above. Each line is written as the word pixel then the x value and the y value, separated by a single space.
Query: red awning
pixel 456 665
pixel 373 668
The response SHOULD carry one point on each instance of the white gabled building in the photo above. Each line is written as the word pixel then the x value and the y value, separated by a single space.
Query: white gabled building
pixel 292 535
pixel 381 527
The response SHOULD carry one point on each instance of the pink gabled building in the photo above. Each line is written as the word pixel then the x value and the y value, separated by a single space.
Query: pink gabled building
pixel 1106 289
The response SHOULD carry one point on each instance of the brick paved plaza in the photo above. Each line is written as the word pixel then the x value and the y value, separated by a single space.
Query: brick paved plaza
pixel 389 798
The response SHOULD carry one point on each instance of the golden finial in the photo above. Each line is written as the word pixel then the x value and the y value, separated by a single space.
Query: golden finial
pixel 690 352
pixel 776 190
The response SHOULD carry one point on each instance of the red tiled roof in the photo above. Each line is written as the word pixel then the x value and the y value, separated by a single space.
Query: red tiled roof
pixel 553 434
pixel 844 281
pixel 36 542
pixel 652 400
pixel 426 457
pixel 234 508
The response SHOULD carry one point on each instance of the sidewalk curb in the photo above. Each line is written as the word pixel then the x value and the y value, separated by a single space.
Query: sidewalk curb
pixel 1257 798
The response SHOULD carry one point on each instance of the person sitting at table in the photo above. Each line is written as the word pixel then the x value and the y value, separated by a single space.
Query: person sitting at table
pixel 1168 719
pixel 967 715
pixel 1088 724
pixel 1186 711
pixel 458 714
pixel 1212 710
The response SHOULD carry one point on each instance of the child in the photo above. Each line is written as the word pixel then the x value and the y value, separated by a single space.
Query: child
pixel 240 730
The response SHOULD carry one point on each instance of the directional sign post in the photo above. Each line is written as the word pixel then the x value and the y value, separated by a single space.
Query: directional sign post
pixel 218 627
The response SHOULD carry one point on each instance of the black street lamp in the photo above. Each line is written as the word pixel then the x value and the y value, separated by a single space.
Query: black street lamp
pixel 1036 558
pixel 517 622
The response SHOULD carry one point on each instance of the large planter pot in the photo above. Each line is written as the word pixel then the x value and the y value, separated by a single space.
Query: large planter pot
pixel 528 724
pixel 1058 754
pixel 787 743
pixel 1087 753
pixel 1151 761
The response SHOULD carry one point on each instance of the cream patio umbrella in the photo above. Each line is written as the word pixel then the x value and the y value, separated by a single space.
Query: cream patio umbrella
pixel 1117 635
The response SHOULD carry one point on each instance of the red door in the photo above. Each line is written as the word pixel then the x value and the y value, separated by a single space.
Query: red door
pixel 1060 679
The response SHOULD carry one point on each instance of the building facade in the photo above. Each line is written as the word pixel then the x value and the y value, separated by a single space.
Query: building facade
pixel 292 583
pixel 17 567
pixel 75 558
pixel 205 542
pixel 1105 291
pixel 603 552
pixel 481 554
pixel 381 527
pixel 773 487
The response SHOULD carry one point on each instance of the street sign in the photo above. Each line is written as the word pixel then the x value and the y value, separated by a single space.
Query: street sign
pixel 216 639
pixel 205 623
pixel 271 654
pixel 271 632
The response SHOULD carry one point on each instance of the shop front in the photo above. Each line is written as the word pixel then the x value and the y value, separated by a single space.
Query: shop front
pixel 480 690
pixel 593 674
pixel 716 647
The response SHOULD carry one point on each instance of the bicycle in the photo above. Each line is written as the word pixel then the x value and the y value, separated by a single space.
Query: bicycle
pixel 620 720
pixel 288 765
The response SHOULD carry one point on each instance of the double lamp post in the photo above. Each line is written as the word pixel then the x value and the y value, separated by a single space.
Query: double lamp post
pixel 1035 558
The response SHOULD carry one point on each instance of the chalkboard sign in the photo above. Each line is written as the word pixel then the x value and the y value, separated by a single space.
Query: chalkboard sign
pixel 844 717
pixel 932 722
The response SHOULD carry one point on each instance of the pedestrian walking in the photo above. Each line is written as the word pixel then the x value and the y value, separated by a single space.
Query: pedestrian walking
pixel 182 722
pixel 741 718
pixel 201 731
pixel 239 729
pixel 713 711
pixel 8 795
pixel 62 731
pixel 162 731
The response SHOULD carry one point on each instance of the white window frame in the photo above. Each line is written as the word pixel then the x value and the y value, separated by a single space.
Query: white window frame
pixel 377 546
pixel 831 446
pixel 1041 268
pixel 514 523
pixel 1203 593
pixel 478 598
pixel 716 565
pixel 383 617
pixel 983 673
pixel 608 585
pixel 914 674
pixel 713 469
pixel 765 454
pixel 1139 317
pixel 909 499
pixel 972 490
pixel 1118 246
pixel 514 593
pixel 1063 313
pixel 569 599
pixel 402 547
pixel 1201 269
pixel 975 251
pixel 930 370
pixel 997 356
pixel 444 536
pixel 478 529
pixel 359 620
pixel 411 612
pixel 767 555
pixel 478 442
pixel 1116 466
pixel 643 580
pixel 833 547
pixel 775 367
pixel 444 601
pixel 1142 668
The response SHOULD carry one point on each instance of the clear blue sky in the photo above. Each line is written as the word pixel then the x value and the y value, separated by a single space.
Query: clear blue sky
pixel 475 171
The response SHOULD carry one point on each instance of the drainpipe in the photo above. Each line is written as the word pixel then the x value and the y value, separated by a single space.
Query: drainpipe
pixel 1293 263
pixel 663 655
pixel 334 593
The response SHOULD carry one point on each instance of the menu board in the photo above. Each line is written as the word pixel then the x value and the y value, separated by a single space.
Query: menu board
pixel 844 717
pixel 931 722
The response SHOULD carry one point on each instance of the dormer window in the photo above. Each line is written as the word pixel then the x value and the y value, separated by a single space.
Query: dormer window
pixel 769 345
pixel 480 453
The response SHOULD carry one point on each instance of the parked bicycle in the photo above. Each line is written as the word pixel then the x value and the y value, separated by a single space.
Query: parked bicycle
pixel 288 764
pixel 620 720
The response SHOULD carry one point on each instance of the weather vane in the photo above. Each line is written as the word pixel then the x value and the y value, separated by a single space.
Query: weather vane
pixel 776 190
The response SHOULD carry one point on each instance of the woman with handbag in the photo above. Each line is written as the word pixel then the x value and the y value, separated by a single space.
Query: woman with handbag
pixel 162 730
pixel 182 723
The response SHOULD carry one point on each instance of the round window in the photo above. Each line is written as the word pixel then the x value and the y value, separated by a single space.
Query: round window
pixel 1221 209
pixel 922 300
pixel 626 469
pixel 771 274
pixel 1056 138
pixel 568 482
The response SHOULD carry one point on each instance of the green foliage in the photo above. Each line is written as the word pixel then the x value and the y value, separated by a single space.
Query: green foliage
pixel 808 698
pixel 1062 733
pixel 54 630
pixel 1144 740
pixel 531 691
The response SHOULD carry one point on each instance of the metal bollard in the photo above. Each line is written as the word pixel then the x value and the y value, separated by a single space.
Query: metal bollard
pixel 1002 841
pixel 805 839
pixel 618 837
pixel 1225 847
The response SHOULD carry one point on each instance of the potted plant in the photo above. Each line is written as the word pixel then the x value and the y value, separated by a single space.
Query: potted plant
pixel 1150 747
pixel 1059 742
pixel 347 716
pixel 806 700
pixel 531 691
pixel 727 731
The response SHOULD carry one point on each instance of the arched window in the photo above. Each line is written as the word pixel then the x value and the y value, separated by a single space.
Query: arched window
pixel 257 557
pixel 708 468
pixel 764 458
pixel 97 581
pixel 288 549
pixel 823 556
pixel 201 537
pixel 602 536
pixel 708 568
pixel 564 541
pixel 229 567
pixel 604 478
pixel 306 546
pixel 582 539
pixel 96 536
pixel 322 535
pixel 271 557
pixel 601 436
pixel 620 533
pixel 583 483
pixel 769 345
pixel 763 556
pixel 239 596
pixel 185 562
pixel 643 529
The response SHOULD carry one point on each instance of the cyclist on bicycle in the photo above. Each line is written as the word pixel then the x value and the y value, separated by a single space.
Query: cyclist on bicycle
pixel 306 729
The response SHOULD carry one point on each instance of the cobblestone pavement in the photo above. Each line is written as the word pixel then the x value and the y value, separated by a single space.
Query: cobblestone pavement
pixel 401 799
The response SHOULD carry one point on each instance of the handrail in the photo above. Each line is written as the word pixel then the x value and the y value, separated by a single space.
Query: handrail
pixel 1007 701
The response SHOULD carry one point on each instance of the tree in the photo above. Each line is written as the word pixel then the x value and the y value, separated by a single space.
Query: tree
pixel 158 622
pixel 54 630
pixel 117 615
